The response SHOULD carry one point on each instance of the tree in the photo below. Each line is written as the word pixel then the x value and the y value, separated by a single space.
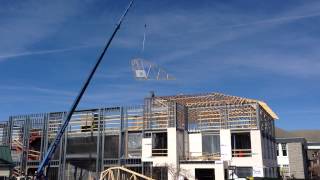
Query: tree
pixel 178 173
pixel 315 170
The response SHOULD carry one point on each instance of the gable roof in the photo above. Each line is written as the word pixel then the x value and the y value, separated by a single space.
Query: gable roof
pixel 215 99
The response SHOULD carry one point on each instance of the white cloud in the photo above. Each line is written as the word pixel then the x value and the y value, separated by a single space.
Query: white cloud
pixel 47 91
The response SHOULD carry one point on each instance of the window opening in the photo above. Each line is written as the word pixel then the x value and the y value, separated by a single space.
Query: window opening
pixel 159 144
pixel 211 145
pixel 241 144
pixel 284 149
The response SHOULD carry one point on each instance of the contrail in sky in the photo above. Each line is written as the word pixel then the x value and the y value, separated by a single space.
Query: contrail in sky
pixel 276 20
pixel 49 51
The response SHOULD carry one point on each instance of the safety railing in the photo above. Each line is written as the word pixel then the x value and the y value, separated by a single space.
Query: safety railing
pixel 159 152
pixel 241 153
pixel 202 156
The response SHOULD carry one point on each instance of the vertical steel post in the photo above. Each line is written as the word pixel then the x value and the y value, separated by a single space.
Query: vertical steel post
pixel 103 138
pixel 46 140
pixel 59 159
pixel 9 133
pixel 65 154
pixel 258 115
pixel 42 136
pixel 121 137
pixel 25 148
pixel 98 150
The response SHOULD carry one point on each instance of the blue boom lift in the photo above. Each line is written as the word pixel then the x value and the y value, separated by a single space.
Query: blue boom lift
pixel 53 146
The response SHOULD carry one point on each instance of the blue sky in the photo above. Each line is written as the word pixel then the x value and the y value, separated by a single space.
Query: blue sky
pixel 267 50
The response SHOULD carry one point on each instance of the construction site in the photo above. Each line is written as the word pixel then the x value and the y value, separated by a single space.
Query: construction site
pixel 201 136
pixel 204 136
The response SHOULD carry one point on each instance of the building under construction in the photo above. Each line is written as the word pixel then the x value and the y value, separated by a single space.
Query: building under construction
pixel 205 136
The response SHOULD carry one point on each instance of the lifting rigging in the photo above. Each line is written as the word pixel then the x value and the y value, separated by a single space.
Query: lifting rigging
pixel 146 70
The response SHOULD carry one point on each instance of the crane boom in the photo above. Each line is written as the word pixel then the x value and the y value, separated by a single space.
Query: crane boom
pixel 45 161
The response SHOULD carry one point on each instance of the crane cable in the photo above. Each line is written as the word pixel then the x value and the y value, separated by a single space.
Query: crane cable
pixel 144 38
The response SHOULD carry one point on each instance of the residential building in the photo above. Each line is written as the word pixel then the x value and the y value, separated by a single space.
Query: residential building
pixel 203 136
pixel 298 158
pixel 6 163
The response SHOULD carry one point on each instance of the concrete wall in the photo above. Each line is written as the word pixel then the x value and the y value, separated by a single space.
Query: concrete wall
pixel 257 156
pixel 225 144
pixel 170 161
pixel 146 149
pixel 4 172
pixel 297 160
pixel 195 144
pixel 175 144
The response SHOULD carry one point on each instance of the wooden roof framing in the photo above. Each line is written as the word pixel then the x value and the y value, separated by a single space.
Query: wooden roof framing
pixel 215 99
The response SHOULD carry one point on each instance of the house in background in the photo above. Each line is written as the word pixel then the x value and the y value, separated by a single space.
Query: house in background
pixel 6 163
pixel 298 158
pixel 291 156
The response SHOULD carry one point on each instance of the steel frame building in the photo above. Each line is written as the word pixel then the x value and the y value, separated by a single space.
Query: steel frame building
pixel 157 138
